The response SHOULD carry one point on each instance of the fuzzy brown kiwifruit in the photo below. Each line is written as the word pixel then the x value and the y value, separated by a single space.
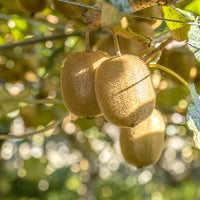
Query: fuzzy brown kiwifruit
pixel 137 5
pixel 124 90
pixel 77 83
pixel 142 145
pixel 32 6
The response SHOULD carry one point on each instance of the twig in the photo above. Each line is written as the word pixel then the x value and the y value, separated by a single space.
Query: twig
pixel 80 4
pixel 37 39
pixel 54 125
pixel 153 53
pixel 87 38
pixel 116 42
pixel 162 19
pixel 161 38
pixel 133 15
pixel 145 42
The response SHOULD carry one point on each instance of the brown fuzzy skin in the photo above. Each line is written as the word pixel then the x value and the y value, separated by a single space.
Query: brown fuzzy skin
pixel 124 90
pixel 142 145
pixel 77 83
pixel 32 6
pixel 137 5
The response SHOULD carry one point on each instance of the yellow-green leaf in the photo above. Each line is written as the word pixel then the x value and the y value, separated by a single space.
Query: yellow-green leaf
pixel 178 30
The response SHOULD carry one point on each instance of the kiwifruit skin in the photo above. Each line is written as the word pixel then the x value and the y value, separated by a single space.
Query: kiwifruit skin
pixel 137 5
pixel 77 83
pixel 124 90
pixel 32 6
pixel 142 145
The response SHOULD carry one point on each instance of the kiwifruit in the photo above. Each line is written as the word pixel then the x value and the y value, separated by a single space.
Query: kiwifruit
pixel 77 83
pixel 142 145
pixel 137 5
pixel 124 90
pixel 32 6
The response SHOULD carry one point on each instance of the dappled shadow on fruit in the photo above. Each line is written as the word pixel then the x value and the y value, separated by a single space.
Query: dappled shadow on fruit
pixel 136 115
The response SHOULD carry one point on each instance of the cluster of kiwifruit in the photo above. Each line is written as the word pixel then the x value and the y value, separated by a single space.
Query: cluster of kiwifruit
pixel 120 88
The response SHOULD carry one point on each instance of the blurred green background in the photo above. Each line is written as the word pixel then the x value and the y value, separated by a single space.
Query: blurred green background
pixel 81 159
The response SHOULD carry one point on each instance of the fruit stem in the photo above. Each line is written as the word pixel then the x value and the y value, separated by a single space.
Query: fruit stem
pixel 153 65
pixel 116 42
pixel 49 127
pixel 87 38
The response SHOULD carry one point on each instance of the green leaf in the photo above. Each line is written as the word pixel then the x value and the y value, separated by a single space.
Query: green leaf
pixel 178 30
pixel 110 16
pixel 191 6
pixel 193 115
pixel 194 39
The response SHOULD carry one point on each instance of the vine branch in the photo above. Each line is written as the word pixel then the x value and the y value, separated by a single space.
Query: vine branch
pixel 133 15
pixel 37 39
pixel 40 101
pixel 161 38
pixel 87 38
pixel 115 40
pixel 51 126
pixel 162 19
pixel 80 4
pixel 153 53
pixel 145 42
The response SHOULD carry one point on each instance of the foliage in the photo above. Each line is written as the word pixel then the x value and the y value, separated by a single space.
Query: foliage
pixel 80 158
